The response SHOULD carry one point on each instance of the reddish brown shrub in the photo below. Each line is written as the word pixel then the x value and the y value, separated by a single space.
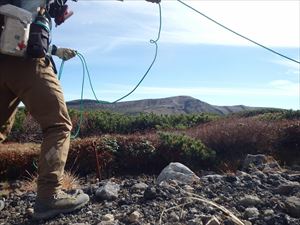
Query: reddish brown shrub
pixel 288 143
pixel 90 155
pixel 16 159
pixel 234 138
pixel 137 154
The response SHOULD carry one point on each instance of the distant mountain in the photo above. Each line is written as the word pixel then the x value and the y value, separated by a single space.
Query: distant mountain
pixel 171 105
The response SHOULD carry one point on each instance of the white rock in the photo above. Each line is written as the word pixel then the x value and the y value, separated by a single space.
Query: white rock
pixel 30 211
pixel 251 212
pixel 269 212
pixel 90 213
pixel 179 172
pixel 134 217
pixel 108 217
pixel 140 186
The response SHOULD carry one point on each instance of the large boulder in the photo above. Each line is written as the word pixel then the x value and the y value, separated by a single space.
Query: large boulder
pixel 179 172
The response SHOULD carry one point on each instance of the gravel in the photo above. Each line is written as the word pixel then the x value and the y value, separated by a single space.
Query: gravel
pixel 256 198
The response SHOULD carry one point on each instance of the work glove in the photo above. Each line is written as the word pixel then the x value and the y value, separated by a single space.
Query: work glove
pixel 65 53
pixel 154 1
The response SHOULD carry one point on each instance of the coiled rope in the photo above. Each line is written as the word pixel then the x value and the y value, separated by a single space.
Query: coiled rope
pixel 86 71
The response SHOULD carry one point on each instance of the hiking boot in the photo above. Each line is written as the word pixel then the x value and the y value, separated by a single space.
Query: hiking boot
pixel 60 203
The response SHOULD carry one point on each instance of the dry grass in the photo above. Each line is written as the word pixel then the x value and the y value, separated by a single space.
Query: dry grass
pixel 70 182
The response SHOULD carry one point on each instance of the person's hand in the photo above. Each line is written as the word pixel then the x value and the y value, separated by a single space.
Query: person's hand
pixel 65 53
pixel 154 1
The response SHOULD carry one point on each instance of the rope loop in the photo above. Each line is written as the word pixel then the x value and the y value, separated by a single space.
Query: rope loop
pixel 87 72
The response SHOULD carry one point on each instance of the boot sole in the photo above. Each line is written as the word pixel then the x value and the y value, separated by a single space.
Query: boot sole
pixel 52 213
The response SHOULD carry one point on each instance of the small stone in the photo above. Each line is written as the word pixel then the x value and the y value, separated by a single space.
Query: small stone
pixel 108 191
pixel 228 222
pixel 268 212
pixel 196 221
pixel 150 193
pixel 213 177
pixel 287 188
pixel 292 205
pixel 108 217
pixel 250 200
pixel 29 211
pixel 193 210
pixel 1 205
pixel 246 222
pixel 188 188
pixel 174 217
pixel 109 223
pixel 134 217
pixel 139 186
pixel 251 212
pixel 231 178
pixel 260 174
pixel 90 213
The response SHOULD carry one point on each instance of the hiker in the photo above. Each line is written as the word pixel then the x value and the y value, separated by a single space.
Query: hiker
pixel 32 79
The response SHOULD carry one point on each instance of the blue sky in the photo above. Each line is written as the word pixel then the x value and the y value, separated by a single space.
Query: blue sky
pixel 196 57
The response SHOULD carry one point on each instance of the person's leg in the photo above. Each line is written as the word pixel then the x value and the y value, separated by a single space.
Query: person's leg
pixel 8 108
pixel 36 84
pixel 38 88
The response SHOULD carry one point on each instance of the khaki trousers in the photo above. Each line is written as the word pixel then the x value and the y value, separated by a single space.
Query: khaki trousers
pixel 34 82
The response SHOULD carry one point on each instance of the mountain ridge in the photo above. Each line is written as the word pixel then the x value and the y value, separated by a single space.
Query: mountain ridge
pixel 169 105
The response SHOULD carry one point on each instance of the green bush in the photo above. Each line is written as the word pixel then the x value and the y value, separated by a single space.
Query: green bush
pixel 282 115
pixel 136 154
pixel 99 122
pixel 182 148
pixel 256 112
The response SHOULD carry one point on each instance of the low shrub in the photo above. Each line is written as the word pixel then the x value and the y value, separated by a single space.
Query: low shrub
pixel 287 145
pixel 137 154
pixel 16 159
pixel 91 155
pixel 184 149
pixel 99 122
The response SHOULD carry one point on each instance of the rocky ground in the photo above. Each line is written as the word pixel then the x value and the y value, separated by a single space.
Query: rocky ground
pixel 261 194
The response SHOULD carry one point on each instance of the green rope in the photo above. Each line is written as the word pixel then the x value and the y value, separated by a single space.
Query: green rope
pixel 86 70
pixel 81 102
pixel 238 34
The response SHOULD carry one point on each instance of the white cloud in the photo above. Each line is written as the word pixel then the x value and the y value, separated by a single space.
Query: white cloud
pixel 286 86
pixel 273 22
pixel 272 89
pixel 291 67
